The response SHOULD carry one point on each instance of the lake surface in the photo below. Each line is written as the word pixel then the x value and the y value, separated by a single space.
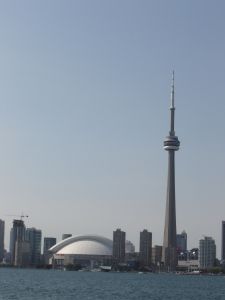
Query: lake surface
pixel 49 284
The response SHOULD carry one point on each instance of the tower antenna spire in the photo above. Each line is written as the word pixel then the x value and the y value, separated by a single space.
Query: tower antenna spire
pixel 172 91
pixel 172 108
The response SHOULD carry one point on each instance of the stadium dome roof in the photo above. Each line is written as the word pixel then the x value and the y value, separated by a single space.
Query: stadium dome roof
pixel 84 244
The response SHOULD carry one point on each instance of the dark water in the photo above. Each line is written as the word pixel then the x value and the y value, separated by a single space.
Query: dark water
pixel 41 284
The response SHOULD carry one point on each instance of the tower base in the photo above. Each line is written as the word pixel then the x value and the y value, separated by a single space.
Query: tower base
pixel 169 257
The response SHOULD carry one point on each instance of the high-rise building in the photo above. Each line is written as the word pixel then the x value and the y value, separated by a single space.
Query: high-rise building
pixel 145 254
pixel 119 238
pixel 171 144
pixel 182 242
pixel 48 243
pixel 223 242
pixel 17 233
pixel 33 236
pixel 2 234
pixel 207 252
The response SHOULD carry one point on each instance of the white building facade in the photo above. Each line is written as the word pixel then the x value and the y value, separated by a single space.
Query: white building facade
pixel 207 253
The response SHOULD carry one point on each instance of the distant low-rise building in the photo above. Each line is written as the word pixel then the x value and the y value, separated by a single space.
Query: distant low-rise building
pixel 129 247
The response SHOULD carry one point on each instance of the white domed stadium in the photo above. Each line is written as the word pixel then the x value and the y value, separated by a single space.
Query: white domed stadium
pixel 85 250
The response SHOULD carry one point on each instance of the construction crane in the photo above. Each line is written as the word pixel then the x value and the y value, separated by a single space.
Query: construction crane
pixel 21 216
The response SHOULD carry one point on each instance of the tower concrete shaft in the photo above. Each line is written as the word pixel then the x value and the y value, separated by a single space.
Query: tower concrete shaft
pixel 171 144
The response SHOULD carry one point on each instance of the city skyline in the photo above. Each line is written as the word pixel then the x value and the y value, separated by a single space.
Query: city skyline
pixel 84 107
pixel 34 236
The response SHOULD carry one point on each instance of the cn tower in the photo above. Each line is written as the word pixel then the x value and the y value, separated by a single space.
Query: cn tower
pixel 171 144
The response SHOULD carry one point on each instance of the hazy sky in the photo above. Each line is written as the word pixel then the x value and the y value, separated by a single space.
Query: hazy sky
pixel 84 110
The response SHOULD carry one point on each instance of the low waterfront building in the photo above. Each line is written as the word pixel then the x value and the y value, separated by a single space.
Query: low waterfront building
pixel 188 265
pixel 188 260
